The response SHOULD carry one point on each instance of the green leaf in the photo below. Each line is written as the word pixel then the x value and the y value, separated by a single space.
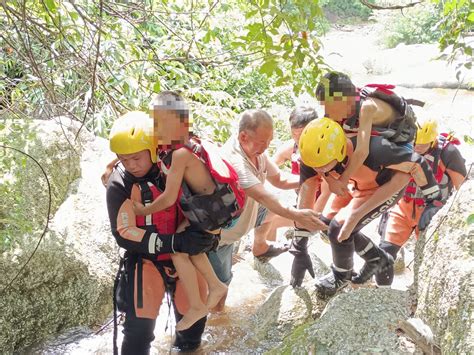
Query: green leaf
pixel 282 81
pixel 269 67
pixel 51 5
pixel 157 87
pixel 207 37
pixel 285 38
pixel 470 219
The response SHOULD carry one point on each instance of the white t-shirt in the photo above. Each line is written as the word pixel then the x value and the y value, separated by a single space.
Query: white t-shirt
pixel 249 175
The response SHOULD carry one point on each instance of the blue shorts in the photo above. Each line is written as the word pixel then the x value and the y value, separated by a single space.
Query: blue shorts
pixel 262 213
pixel 221 261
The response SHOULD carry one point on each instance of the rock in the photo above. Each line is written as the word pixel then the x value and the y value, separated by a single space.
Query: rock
pixel 443 268
pixel 68 281
pixel 361 321
pixel 286 308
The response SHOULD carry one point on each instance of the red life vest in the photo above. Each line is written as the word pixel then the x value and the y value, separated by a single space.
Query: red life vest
pixel 433 157
pixel 162 222
pixel 223 207
pixel 295 160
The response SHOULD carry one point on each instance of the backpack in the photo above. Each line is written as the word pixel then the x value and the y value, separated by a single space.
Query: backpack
pixel 403 128
pixel 220 209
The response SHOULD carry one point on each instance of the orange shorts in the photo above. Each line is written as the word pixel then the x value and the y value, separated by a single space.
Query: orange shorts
pixel 403 219
pixel 153 291
pixel 341 207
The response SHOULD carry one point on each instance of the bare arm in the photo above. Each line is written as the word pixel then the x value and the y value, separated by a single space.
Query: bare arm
pixel 270 201
pixel 306 218
pixel 307 192
pixel 361 151
pixel 283 154
pixel 174 179
pixel 284 183
pixel 108 170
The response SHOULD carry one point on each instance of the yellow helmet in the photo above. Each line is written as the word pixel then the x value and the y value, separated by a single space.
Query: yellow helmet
pixel 321 142
pixel 132 133
pixel 427 132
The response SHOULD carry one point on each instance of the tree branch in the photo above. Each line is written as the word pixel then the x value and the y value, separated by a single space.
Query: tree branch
pixel 394 7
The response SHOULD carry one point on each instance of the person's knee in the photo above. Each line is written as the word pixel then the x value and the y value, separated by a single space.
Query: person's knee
pixel 333 232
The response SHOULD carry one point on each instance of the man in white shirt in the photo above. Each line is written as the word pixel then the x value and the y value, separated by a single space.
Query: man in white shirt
pixel 262 210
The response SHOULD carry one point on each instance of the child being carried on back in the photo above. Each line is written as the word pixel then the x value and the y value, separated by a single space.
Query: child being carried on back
pixel 171 130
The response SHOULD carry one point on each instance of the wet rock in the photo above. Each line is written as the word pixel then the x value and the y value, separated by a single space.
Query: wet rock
pixel 361 321
pixel 444 274
pixel 287 308
pixel 68 281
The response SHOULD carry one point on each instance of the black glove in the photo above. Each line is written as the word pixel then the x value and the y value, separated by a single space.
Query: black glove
pixel 428 213
pixel 301 262
pixel 190 241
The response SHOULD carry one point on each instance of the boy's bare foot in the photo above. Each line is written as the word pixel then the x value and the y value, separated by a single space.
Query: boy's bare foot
pixel 215 294
pixel 219 307
pixel 191 317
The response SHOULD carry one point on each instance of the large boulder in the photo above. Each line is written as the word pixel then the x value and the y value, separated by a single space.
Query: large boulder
pixel 444 274
pixel 358 321
pixel 286 308
pixel 68 280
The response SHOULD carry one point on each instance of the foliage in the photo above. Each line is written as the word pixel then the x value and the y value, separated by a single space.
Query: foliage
pixel 416 25
pixel 93 60
pixel 17 218
pixel 23 186
pixel 347 10
pixel 456 24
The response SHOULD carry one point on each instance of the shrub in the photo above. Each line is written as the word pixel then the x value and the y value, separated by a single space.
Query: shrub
pixel 346 10
pixel 417 25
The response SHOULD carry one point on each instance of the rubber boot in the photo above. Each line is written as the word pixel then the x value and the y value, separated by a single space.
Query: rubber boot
pixel 376 261
pixel 385 278
pixel 334 281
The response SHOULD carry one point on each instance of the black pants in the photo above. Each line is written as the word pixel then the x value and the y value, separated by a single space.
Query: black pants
pixel 343 252
pixel 138 330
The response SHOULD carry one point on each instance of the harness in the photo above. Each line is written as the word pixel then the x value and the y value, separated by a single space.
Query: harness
pixel 412 192
pixel 162 222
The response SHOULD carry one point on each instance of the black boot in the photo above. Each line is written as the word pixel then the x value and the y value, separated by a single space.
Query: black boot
pixel 329 284
pixel 379 261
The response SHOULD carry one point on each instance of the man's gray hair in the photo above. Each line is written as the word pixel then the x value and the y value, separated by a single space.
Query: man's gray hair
pixel 252 119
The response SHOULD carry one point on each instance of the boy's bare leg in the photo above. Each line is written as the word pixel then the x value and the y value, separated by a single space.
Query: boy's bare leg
pixel 267 232
pixel 217 289
pixel 187 274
